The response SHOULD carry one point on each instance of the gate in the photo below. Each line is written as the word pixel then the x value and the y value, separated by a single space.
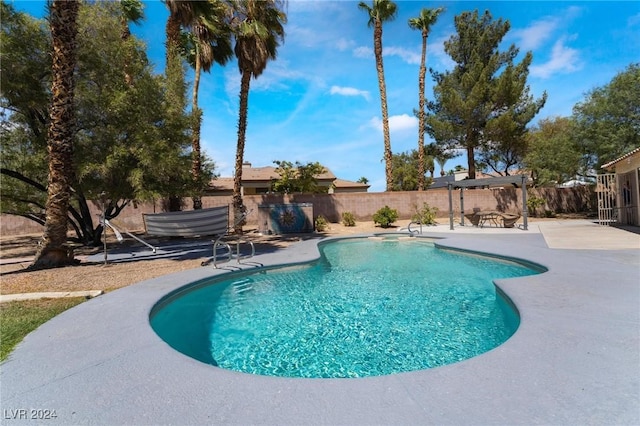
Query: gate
pixel 607 195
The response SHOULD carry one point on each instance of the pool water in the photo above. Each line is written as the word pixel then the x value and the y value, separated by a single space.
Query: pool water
pixel 366 308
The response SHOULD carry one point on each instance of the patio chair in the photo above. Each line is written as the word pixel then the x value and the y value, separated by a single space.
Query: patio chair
pixel 509 220
pixel 473 218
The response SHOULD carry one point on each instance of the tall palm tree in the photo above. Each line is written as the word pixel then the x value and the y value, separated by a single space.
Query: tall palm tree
pixel 382 11
pixel 210 42
pixel 131 13
pixel 63 16
pixel 259 29
pixel 427 18
pixel 182 14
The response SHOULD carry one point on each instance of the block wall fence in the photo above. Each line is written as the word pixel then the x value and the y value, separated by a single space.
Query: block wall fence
pixel 362 204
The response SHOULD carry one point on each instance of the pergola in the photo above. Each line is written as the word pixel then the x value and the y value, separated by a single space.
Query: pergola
pixel 519 180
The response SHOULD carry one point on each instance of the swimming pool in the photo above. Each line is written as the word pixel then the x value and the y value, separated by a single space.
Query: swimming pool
pixel 368 307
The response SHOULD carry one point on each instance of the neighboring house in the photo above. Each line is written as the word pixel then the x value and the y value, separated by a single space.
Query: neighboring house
pixel 258 180
pixel 341 186
pixel 625 185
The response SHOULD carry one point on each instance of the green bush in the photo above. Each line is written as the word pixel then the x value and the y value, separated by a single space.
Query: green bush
pixel 425 216
pixel 348 219
pixel 385 216
pixel 321 223
pixel 533 204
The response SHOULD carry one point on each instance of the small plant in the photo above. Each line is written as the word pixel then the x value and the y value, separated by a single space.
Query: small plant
pixel 533 203
pixel 348 219
pixel 426 215
pixel 321 223
pixel 549 213
pixel 385 216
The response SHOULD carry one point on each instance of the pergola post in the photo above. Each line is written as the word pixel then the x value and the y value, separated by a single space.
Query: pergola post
pixel 449 185
pixel 525 211
pixel 462 206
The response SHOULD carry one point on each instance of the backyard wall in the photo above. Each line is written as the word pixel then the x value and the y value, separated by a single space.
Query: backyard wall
pixel 362 204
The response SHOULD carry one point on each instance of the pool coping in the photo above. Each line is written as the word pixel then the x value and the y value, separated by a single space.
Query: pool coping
pixel 573 360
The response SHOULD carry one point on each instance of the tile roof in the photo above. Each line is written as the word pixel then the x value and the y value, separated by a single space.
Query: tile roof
pixel 617 160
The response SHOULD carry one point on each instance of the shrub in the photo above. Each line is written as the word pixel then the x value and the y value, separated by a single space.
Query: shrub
pixel 425 216
pixel 321 223
pixel 348 219
pixel 533 203
pixel 385 216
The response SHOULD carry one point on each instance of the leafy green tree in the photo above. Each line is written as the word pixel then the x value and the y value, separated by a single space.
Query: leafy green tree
pixel 379 12
pixel 608 120
pixel 423 23
pixel 123 149
pixel 363 180
pixel 405 171
pixel 63 17
pixel 258 27
pixel 484 103
pixel 298 178
pixel 552 151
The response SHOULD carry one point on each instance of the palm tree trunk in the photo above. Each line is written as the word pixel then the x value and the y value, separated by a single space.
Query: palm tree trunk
pixel 196 164
pixel 52 251
pixel 238 207
pixel 377 42
pixel 421 84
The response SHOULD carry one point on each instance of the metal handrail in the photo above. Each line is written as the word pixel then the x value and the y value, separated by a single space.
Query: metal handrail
pixel 230 252
pixel 414 232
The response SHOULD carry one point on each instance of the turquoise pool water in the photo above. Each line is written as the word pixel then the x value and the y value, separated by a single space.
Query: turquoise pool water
pixel 366 308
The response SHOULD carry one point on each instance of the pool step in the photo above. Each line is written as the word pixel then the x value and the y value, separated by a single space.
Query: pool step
pixel 241 286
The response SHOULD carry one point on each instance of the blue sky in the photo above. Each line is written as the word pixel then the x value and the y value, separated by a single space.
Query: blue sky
pixel 319 101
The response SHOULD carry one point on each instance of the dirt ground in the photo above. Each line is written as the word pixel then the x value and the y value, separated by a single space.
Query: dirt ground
pixel 16 254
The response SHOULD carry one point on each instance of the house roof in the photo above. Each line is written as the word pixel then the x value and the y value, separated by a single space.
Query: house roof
pixel 617 160
pixel 341 183
pixel 268 173
pixel 257 175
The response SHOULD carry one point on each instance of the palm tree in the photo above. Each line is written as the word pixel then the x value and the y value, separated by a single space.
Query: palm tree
pixel 209 41
pixel 182 14
pixel 131 13
pixel 63 16
pixel 382 11
pixel 427 18
pixel 259 29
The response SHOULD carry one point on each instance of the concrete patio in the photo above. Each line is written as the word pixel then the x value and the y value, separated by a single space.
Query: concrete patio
pixel 574 360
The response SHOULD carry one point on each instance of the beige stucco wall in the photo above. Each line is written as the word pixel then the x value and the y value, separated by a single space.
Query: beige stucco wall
pixel 363 205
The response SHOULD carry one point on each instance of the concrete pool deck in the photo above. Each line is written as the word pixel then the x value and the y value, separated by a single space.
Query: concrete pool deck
pixel 574 360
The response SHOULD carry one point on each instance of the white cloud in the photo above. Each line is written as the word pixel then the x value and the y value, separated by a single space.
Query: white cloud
pixel 537 33
pixel 363 52
pixel 343 44
pixel 406 55
pixel 563 60
pixel 349 91
pixel 397 123
pixel 277 76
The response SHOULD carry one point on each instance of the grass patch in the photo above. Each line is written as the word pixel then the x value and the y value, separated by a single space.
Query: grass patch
pixel 17 319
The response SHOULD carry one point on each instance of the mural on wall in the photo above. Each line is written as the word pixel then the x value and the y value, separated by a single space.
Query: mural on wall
pixel 290 218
